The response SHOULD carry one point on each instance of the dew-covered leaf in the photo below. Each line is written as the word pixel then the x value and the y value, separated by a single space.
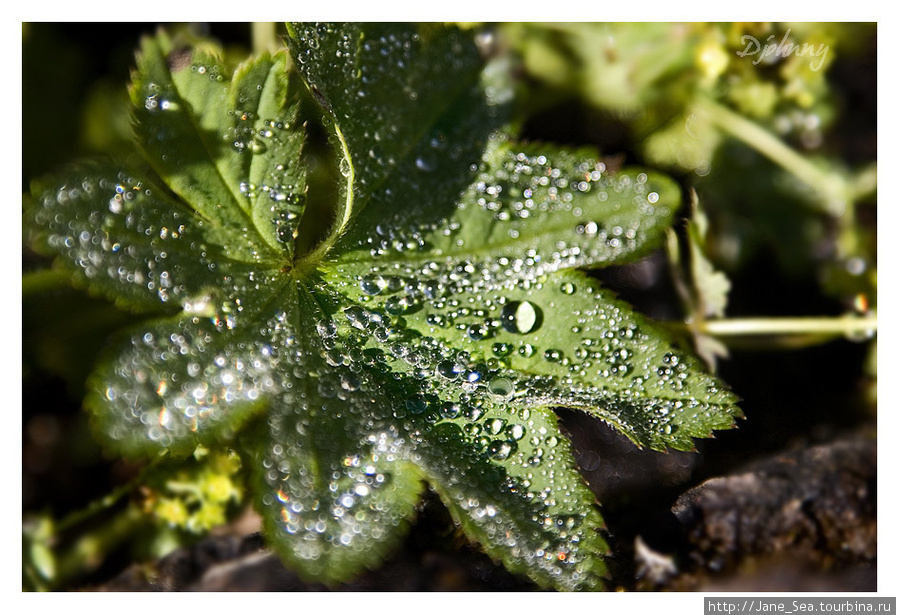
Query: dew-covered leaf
pixel 228 145
pixel 509 479
pixel 335 487
pixel 503 467
pixel 121 235
pixel 424 340
pixel 193 379
pixel 553 340
pixel 385 88
pixel 538 208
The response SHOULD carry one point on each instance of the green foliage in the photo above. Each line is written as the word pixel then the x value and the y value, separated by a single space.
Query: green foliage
pixel 709 102
pixel 195 497
pixel 413 324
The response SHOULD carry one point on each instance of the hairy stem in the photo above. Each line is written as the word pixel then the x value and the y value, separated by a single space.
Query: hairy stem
pixel 849 325
pixel 264 38
pixel 831 186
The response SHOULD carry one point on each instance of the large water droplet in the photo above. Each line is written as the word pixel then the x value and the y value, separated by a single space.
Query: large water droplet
pixel 520 317
pixel 502 387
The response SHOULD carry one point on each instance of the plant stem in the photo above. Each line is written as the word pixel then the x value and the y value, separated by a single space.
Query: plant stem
pixel 818 326
pixel 89 551
pixel 98 506
pixel 264 37
pixel 829 185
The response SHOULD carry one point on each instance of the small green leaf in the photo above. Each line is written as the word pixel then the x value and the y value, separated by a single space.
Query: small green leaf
pixel 703 289
pixel 711 287
pixel 226 145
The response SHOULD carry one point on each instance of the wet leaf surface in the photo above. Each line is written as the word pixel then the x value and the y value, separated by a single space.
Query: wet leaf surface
pixel 425 339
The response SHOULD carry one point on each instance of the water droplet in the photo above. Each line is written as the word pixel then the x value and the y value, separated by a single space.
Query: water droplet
pixel 553 355
pixel 257 146
pixel 502 387
pixel 520 317
pixel 326 328
pixel 372 284
pixel 400 305
pixel 501 349
pixel 500 450
pixel 477 332
pixel 449 369
pixel 515 431
pixel 416 404
pixel 450 410
pixel 495 426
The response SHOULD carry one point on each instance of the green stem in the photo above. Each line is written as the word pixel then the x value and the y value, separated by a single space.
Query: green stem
pixel 79 555
pixel 817 326
pixel 263 35
pixel 98 506
pixel 831 186
pixel 89 551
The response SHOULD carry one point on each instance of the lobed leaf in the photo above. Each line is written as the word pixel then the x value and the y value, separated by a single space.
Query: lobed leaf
pixel 511 484
pixel 504 470
pixel 121 235
pixel 551 340
pixel 384 86
pixel 432 342
pixel 228 146
pixel 179 383
pixel 535 208
pixel 335 488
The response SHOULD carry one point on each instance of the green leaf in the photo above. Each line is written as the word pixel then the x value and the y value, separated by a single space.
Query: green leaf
pixel 703 289
pixel 332 477
pixel 177 384
pixel 550 340
pixel 539 208
pixel 405 77
pixel 425 339
pixel 517 492
pixel 227 146
pixel 622 67
pixel 123 237
pixel 408 109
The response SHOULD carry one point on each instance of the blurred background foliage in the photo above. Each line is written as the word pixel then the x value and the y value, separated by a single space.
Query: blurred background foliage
pixel 777 155
pixel 781 150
